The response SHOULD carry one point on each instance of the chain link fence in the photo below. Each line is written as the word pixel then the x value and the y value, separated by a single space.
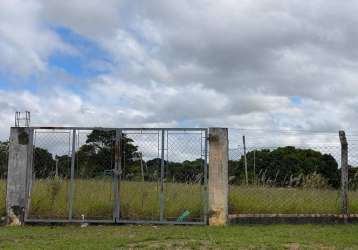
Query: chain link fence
pixel 161 174
pixel 284 172
pixel 352 173
pixel 50 174
pixel 4 154
pixel 118 175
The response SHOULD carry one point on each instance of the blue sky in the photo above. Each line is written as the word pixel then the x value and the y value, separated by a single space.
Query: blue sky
pixel 78 64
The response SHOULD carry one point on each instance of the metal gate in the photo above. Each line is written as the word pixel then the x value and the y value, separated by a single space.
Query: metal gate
pixel 114 175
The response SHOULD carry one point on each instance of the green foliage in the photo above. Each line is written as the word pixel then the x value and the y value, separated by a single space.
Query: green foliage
pixel 4 148
pixel 44 163
pixel 63 163
pixel 97 155
pixel 353 178
pixel 279 166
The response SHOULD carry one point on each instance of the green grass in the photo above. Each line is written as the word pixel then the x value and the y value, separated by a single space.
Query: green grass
pixel 181 237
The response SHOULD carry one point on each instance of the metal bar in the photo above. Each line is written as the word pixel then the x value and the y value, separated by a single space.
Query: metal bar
pixel 67 221
pixel 254 179
pixel 245 159
pixel 29 171
pixel 120 222
pixel 206 177
pixel 53 132
pixel 116 174
pixel 162 179
pixel 162 222
pixel 72 181
pixel 108 129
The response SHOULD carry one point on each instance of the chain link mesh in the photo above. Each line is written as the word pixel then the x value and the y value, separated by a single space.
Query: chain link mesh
pixel 140 177
pixel 4 154
pixel 50 173
pixel 353 173
pixel 93 182
pixel 184 175
pixel 160 174
pixel 284 172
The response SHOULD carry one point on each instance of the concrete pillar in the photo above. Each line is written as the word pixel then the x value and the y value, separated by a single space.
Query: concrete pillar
pixel 344 174
pixel 218 176
pixel 19 174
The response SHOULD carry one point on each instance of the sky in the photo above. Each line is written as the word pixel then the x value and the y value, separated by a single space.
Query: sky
pixel 268 64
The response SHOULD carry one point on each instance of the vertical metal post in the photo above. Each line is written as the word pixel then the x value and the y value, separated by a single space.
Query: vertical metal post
pixel 162 178
pixel 29 172
pixel 116 175
pixel 56 168
pixel 72 181
pixel 254 181
pixel 141 166
pixel 245 159
pixel 344 174
pixel 206 141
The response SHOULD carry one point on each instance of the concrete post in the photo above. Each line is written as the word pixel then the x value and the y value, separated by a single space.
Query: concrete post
pixel 19 174
pixel 344 173
pixel 218 176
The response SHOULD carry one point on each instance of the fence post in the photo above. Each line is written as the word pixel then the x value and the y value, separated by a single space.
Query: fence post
pixel 19 174
pixel 344 174
pixel 218 176
pixel 245 160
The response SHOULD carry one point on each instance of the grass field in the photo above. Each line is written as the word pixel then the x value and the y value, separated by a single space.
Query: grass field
pixel 94 199
pixel 181 237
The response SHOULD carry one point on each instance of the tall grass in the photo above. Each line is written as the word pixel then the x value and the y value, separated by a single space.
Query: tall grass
pixel 2 197
pixel 266 200
pixel 95 199
pixel 140 200
pixel 274 200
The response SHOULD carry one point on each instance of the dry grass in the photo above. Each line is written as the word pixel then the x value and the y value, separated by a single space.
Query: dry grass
pixel 94 199
pixel 2 197
pixel 138 200
pixel 266 200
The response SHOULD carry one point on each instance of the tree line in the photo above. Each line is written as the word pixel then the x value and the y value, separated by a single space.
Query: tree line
pixel 279 167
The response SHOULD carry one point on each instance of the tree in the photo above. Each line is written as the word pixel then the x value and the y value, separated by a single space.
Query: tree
pixel 4 148
pixel 64 165
pixel 283 163
pixel 44 163
pixel 97 155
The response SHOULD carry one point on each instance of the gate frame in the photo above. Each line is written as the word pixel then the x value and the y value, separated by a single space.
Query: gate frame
pixel 116 181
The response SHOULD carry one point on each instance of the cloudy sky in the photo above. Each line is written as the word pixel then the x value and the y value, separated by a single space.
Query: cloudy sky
pixel 272 64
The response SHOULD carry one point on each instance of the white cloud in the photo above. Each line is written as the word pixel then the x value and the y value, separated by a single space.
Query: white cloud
pixel 203 63
pixel 26 41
